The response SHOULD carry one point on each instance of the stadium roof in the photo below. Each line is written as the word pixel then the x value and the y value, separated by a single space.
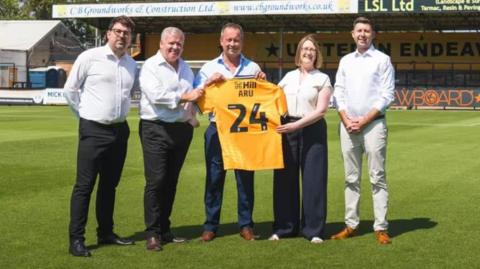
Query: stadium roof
pixel 288 16
pixel 26 33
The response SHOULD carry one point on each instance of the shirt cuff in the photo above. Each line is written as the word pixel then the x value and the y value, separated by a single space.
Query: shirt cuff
pixel 75 111
pixel 175 101
pixel 340 106
pixel 380 106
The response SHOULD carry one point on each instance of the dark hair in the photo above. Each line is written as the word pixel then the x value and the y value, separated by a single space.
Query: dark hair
pixel 318 54
pixel 123 20
pixel 234 26
pixel 364 20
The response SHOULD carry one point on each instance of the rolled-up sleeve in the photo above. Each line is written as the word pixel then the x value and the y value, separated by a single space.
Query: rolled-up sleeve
pixel 200 79
pixel 155 91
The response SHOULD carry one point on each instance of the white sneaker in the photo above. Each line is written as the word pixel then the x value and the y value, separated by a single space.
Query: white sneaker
pixel 316 240
pixel 274 237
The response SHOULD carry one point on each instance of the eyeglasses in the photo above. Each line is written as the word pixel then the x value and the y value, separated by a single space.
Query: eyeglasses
pixel 119 32
pixel 309 49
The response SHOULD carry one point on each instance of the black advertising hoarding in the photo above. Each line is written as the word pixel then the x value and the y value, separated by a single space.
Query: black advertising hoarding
pixel 388 6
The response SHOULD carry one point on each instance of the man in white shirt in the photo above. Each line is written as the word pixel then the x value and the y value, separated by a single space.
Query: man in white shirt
pixel 166 85
pixel 364 88
pixel 230 64
pixel 98 92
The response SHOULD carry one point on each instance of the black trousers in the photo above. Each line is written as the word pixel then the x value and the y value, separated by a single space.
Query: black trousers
pixel 305 153
pixel 101 151
pixel 165 147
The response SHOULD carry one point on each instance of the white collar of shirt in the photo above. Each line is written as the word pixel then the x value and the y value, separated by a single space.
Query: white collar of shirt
pixel 243 60
pixel 160 60
pixel 109 52
pixel 369 52
pixel 221 61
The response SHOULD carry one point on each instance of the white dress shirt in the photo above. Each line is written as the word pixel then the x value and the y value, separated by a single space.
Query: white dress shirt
pixel 162 87
pixel 363 82
pixel 247 68
pixel 302 96
pixel 99 85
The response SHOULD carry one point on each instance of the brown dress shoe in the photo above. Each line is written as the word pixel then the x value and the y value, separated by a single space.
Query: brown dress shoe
pixel 207 236
pixel 247 234
pixel 344 234
pixel 382 237
pixel 154 244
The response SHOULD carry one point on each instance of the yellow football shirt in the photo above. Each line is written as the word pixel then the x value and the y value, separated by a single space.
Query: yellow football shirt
pixel 247 111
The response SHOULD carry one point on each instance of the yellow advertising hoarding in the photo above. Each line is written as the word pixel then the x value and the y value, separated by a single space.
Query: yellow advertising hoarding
pixel 406 49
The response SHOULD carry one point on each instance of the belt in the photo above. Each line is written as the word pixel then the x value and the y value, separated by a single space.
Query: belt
pixel 165 122
pixel 292 119
pixel 113 125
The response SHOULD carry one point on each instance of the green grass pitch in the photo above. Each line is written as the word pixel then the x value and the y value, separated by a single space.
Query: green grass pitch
pixel 432 171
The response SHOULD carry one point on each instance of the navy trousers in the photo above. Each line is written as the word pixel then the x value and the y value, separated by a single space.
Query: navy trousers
pixel 214 184
pixel 306 155
pixel 101 151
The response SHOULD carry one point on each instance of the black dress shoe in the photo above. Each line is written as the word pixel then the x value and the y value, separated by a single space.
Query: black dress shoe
pixel 78 248
pixel 171 238
pixel 114 239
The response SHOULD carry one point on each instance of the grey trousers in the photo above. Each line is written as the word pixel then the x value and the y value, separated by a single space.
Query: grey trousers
pixel 373 142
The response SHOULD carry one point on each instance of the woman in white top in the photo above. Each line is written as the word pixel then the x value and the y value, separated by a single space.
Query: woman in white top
pixel 304 132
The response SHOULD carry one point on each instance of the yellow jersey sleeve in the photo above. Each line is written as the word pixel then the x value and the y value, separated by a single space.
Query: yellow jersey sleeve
pixel 247 112
pixel 206 103
pixel 281 103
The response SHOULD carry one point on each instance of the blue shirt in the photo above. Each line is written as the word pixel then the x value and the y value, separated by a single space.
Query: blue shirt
pixel 247 68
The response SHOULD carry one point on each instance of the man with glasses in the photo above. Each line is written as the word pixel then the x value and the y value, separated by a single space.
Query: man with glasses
pixel 98 92
pixel 165 132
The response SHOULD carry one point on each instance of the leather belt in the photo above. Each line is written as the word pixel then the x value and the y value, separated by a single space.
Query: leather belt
pixel 292 119
pixel 111 125
pixel 166 122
